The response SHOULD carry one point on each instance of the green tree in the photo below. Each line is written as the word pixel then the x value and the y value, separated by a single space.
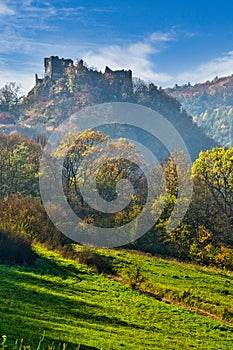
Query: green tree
pixel 213 200
pixel 19 165
pixel 9 97
pixel 214 169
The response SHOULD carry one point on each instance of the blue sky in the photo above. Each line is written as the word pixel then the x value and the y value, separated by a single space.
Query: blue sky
pixel 165 42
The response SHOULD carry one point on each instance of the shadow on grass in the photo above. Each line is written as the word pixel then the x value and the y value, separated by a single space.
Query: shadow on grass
pixel 49 295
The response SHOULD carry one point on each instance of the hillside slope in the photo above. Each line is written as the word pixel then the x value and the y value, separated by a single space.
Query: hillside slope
pixel 74 305
pixel 211 105
pixel 54 99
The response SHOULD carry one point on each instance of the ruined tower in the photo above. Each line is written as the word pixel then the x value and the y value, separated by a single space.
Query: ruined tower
pixel 55 66
pixel 120 80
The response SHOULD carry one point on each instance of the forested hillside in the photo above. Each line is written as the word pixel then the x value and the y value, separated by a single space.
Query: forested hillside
pixel 211 106
pixel 203 236
pixel 53 100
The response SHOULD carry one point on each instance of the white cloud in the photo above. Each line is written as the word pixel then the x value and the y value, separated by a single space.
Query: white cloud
pixel 25 79
pixel 40 10
pixel 136 56
pixel 190 35
pixel 139 57
pixel 162 36
pixel 220 66
pixel 6 10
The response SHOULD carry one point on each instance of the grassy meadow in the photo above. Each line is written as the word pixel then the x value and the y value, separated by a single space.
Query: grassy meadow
pixel 77 308
pixel 207 289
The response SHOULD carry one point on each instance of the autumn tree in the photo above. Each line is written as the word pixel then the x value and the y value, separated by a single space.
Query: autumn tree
pixel 116 161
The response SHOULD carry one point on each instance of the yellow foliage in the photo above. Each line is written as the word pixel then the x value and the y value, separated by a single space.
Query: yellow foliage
pixel 203 234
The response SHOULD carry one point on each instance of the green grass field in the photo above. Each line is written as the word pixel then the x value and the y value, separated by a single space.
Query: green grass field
pixel 208 289
pixel 74 305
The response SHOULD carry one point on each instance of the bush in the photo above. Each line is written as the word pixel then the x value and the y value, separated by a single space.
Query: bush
pixel 134 276
pixel 98 262
pixel 16 249
pixel 224 258
pixel 27 216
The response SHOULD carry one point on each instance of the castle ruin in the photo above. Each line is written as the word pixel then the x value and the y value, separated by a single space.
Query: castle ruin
pixel 55 68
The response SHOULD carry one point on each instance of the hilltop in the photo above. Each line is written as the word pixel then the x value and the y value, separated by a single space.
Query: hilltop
pixel 211 105
pixel 67 87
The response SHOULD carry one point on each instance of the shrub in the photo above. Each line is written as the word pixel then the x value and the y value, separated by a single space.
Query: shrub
pixel 224 258
pixel 16 249
pixel 27 216
pixel 134 277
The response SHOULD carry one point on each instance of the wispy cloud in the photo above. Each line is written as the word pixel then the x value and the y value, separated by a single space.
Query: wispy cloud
pixel 31 33
pixel 163 36
pixel 136 56
pixel 16 43
pixel 190 35
pixel 220 66
pixel 36 15
pixel 6 10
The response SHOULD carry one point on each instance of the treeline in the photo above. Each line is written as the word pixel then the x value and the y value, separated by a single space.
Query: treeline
pixel 205 234
pixel 23 218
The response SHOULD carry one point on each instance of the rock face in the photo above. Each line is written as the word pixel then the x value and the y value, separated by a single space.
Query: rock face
pixel 67 87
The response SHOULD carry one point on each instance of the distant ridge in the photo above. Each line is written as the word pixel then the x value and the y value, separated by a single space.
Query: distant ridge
pixel 211 105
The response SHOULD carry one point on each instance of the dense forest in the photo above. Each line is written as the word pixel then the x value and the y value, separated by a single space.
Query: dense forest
pixel 211 106
pixel 204 235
